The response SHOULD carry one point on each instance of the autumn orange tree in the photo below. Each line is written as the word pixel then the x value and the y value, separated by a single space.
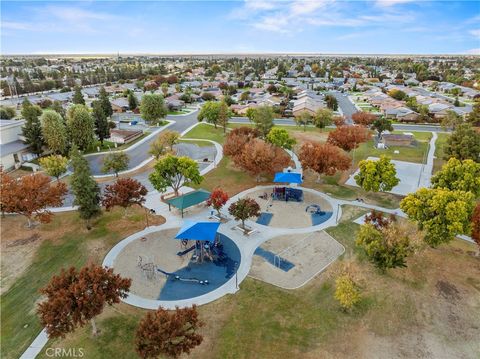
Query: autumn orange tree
pixel 73 298
pixel 6 186
pixel 31 196
pixel 259 157
pixel 323 158
pixel 168 333
pixel 348 137
pixel 363 118
pixel 236 140
pixel 217 199
pixel 125 192
pixel 339 121
pixel 476 224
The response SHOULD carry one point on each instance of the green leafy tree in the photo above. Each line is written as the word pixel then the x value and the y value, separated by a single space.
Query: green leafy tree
pixel 250 113
pixel 377 175
pixel 84 188
pixel 441 213
pixel 347 291
pixel 210 112
pixel 303 119
pixel 280 138
pixel 323 118
pixel 332 102
pixel 153 108
pixel 458 175
pixel 78 96
pixel 80 126
pixel 474 116
pixel 115 162
pixel 386 247
pixel 54 165
pixel 397 94
pixel 7 113
pixel 54 131
pixel 163 143
pixel 164 88
pixel 105 101
pixel 102 128
pixel 174 172
pixel 451 120
pixel 32 130
pixel 58 108
pixel 224 115
pixel 463 144
pixel 132 101
pixel 263 119
pixel 381 125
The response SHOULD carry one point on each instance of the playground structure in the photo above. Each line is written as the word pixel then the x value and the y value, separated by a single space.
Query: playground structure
pixel 287 194
pixel 163 267
pixel 314 209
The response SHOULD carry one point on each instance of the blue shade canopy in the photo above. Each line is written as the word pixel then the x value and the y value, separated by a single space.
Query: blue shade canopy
pixel 288 177
pixel 198 231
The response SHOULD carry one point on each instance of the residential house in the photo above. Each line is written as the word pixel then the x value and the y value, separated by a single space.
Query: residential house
pixel 124 136
pixel 13 151
pixel 439 110
pixel 120 104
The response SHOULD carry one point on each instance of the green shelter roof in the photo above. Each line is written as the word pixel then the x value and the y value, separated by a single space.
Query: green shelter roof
pixel 189 199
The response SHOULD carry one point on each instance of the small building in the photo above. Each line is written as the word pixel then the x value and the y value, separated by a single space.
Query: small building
pixel 399 140
pixel 13 151
pixel 124 136
pixel 120 104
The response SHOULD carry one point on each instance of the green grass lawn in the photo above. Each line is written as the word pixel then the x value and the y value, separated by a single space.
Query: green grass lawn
pixel 409 154
pixel 227 177
pixel 263 321
pixel 73 247
pixel 439 146
pixel 207 132
pixel 181 112
pixel 332 186
pixel 198 142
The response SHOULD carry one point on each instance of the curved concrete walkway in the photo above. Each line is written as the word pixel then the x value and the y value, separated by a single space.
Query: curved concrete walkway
pixel 246 245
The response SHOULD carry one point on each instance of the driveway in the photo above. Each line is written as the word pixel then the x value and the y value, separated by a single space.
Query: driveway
pixel 139 153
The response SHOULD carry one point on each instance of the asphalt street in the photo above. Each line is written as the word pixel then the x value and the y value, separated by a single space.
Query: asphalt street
pixel 140 153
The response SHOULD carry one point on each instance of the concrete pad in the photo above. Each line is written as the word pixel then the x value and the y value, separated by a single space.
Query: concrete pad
pixel 310 254
pixel 409 174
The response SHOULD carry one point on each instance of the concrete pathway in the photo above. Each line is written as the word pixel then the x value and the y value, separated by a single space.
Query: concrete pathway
pixel 245 244
pixel 427 169
pixel 36 347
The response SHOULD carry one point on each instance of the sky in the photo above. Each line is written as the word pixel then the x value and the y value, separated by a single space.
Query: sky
pixel 246 26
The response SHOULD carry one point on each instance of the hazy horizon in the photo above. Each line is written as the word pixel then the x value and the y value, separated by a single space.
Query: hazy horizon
pixel 385 27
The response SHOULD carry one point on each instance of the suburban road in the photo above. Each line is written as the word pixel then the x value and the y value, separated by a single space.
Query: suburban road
pixel 139 153
pixel 399 127
pixel 348 108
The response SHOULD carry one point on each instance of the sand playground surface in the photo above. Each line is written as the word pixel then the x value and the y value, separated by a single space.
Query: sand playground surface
pixel 310 254
pixel 158 248
pixel 289 214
